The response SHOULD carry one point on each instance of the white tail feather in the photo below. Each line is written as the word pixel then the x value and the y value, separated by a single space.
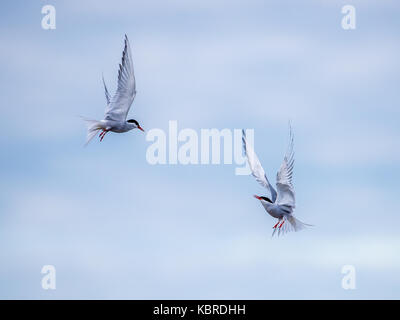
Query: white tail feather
pixel 290 224
pixel 92 127
pixel 297 224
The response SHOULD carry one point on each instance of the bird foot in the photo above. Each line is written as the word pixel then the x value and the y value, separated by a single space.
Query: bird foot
pixel 102 135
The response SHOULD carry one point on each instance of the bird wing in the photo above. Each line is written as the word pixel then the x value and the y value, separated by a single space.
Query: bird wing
pixel 286 195
pixel 256 169
pixel 108 97
pixel 120 103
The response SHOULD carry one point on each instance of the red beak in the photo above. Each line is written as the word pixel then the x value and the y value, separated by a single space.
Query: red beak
pixel 140 128
pixel 257 197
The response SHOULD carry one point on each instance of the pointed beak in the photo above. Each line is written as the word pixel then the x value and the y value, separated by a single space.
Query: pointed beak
pixel 257 197
pixel 140 128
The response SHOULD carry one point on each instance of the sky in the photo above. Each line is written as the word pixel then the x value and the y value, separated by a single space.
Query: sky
pixel 116 227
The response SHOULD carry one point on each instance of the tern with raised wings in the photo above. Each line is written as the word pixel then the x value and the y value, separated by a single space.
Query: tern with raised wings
pixel 118 105
pixel 282 202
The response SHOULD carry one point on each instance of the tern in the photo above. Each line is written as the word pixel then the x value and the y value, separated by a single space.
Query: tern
pixel 282 202
pixel 117 106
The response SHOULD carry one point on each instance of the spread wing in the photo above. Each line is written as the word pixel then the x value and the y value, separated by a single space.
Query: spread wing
pixel 256 169
pixel 108 97
pixel 286 195
pixel 118 107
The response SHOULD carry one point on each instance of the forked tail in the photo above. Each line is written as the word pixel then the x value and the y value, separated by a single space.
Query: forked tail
pixel 92 127
pixel 290 224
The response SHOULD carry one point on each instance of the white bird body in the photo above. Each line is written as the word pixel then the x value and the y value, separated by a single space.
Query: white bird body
pixel 117 126
pixel 282 202
pixel 273 209
pixel 118 106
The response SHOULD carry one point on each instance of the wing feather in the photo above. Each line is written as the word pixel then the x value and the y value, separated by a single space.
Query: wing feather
pixel 108 97
pixel 284 184
pixel 121 102
pixel 256 169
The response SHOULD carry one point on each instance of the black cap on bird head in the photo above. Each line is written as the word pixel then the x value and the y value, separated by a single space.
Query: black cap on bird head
pixel 136 123
pixel 263 198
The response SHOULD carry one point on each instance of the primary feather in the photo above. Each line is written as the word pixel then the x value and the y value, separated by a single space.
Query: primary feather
pixel 256 168
pixel 118 107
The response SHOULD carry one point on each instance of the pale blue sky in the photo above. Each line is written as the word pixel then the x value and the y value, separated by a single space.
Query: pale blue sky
pixel 116 227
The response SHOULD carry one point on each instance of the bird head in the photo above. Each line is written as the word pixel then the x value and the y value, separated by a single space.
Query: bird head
pixel 135 124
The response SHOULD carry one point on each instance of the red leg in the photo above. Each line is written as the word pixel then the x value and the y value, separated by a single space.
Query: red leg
pixel 282 224
pixel 274 227
pixel 103 135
